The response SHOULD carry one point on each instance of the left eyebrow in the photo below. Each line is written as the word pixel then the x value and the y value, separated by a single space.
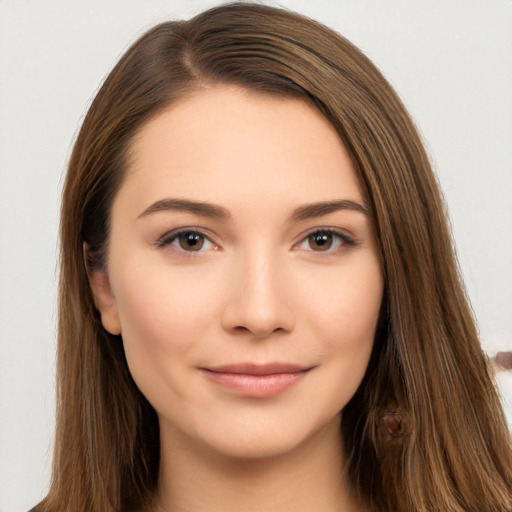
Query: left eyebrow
pixel 184 205
pixel 313 210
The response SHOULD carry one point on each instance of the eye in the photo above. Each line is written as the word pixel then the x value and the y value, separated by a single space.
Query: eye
pixel 187 240
pixel 325 240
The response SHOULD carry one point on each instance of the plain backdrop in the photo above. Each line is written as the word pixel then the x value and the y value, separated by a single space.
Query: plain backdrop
pixel 450 60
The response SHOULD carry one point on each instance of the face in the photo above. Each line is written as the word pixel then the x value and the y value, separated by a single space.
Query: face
pixel 243 272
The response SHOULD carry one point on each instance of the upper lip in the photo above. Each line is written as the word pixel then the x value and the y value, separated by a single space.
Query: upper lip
pixel 259 368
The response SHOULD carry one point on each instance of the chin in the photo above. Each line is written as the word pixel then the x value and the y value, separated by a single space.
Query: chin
pixel 270 441
pixel 259 448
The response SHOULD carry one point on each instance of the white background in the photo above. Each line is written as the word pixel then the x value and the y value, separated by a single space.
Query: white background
pixel 450 60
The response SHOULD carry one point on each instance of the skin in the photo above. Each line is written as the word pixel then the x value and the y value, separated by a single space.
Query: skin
pixel 260 289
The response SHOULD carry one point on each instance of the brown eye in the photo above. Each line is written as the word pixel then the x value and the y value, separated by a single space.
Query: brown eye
pixel 186 240
pixel 326 240
pixel 191 241
pixel 320 241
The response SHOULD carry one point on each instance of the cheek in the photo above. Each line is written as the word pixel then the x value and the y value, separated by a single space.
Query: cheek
pixel 163 317
pixel 345 315
pixel 346 305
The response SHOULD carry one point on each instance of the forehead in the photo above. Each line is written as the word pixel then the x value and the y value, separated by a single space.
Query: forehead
pixel 226 144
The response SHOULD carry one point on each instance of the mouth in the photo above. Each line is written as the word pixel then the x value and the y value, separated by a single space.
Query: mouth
pixel 256 380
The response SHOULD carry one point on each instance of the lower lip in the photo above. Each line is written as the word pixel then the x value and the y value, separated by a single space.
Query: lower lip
pixel 256 386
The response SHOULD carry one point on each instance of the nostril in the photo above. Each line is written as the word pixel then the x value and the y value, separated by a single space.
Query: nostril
pixel 258 331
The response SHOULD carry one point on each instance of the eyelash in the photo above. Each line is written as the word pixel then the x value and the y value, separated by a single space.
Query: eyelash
pixel 342 237
pixel 173 236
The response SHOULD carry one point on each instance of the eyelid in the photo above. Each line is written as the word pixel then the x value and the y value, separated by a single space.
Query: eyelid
pixel 342 235
pixel 170 236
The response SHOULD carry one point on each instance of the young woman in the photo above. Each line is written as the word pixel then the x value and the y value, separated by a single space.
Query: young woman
pixel 260 307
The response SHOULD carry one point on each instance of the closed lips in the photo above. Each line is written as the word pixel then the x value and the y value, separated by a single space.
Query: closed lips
pixel 259 369
pixel 256 381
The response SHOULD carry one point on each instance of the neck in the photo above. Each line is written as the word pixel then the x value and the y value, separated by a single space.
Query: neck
pixel 199 479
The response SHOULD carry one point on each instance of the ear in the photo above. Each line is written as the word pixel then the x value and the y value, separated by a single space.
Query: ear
pixel 103 297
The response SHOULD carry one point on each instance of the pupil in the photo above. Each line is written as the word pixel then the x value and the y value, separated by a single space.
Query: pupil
pixel 320 241
pixel 191 241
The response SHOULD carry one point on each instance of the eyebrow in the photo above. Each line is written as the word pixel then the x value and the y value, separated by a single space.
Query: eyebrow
pixel 210 210
pixel 313 210
pixel 184 205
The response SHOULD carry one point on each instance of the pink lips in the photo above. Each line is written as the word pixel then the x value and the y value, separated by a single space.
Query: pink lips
pixel 256 381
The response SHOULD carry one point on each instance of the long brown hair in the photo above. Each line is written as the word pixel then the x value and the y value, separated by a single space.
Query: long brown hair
pixel 453 452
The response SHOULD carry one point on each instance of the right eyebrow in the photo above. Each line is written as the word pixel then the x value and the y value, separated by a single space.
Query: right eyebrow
pixel 310 211
pixel 185 205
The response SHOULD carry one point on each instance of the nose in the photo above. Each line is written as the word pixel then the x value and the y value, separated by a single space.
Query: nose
pixel 258 306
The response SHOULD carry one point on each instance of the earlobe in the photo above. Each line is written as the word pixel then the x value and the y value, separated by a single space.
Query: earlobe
pixel 103 298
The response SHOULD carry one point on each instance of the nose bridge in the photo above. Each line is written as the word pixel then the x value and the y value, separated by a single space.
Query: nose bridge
pixel 259 300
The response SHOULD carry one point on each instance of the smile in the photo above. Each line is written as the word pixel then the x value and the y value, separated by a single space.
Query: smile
pixel 256 381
